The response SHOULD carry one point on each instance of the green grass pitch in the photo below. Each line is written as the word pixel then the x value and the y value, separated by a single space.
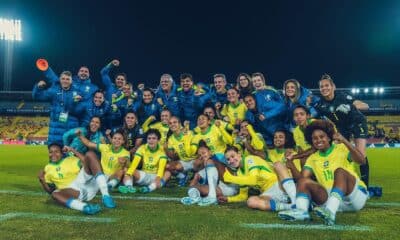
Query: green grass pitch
pixel 27 213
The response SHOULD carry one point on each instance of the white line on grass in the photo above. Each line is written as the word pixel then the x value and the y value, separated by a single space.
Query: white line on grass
pixel 306 227
pixel 172 199
pixel 56 217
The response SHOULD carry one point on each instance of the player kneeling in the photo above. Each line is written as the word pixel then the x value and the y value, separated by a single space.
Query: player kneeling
pixel 71 185
pixel 338 187
pixel 153 160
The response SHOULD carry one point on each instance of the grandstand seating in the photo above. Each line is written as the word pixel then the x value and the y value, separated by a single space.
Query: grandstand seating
pixel 383 128
pixel 23 128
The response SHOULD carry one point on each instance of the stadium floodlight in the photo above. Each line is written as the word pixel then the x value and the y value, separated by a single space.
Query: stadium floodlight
pixel 10 29
pixel 366 90
pixel 353 91
pixel 381 90
pixel 357 90
pixel 375 90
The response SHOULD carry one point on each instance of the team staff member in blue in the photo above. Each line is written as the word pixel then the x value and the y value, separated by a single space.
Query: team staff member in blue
pixel 147 106
pixel 344 112
pixel 294 95
pixel 64 99
pixel 191 100
pixel 81 82
pixel 98 107
pixel 166 94
pixel 120 80
pixel 270 108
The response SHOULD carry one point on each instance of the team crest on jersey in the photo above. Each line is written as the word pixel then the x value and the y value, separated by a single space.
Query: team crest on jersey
pixel 129 135
pixel 58 169
pixel 326 164
pixel 111 158
pixel 87 89
pixel 331 109
pixel 268 97
pixel 250 161
pixel 151 159
pixel 153 107
pixel 175 99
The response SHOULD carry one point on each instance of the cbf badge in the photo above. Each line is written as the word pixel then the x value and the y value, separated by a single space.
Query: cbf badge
pixel 63 117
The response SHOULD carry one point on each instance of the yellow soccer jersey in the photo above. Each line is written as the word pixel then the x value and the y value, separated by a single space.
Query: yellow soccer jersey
pixel 161 127
pixel 254 171
pixel 298 135
pixel 216 139
pixel 278 155
pixel 234 112
pixel 62 173
pixel 323 165
pixel 181 145
pixel 109 158
pixel 154 161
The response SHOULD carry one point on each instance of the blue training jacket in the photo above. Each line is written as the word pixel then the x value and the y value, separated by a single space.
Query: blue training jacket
pixel 70 139
pixel 64 113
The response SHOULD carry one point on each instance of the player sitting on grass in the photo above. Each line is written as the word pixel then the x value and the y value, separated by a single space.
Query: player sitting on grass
pixel 283 144
pixel 338 187
pixel 207 182
pixel 71 185
pixel 114 157
pixel 179 150
pixel 253 171
pixel 153 158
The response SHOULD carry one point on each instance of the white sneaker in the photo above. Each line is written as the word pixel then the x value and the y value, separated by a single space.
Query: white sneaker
pixel 189 200
pixel 294 215
pixel 207 201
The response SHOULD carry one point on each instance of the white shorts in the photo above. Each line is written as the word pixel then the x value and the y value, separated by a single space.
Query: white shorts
pixel 146 179
pixel 355 201
pixel 276 193
pixel 86 185
pixel 228 189
pixel 187 165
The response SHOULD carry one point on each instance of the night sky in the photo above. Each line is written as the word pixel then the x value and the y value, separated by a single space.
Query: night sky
pixel 357 42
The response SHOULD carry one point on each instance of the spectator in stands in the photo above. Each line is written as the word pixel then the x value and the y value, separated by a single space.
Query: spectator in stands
pixel 166 94
pixel 344 112
pixel 81 82
pixel 120 80
pixel 64 98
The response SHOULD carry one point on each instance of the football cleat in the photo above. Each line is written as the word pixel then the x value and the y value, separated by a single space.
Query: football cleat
pixel 91 209
pixel 326 215
pixel 127 189
pixel 144 189
pixel 207 201
pixel 108 201
pixel 189 200
pixel 294 215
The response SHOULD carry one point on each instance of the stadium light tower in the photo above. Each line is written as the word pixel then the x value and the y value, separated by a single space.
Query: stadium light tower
pixel 10 32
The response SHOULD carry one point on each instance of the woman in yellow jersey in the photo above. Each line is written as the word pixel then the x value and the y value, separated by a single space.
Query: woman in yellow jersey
pixel 255 172
pixel 153 158
pixel 205 182
pixel 114 157
pixel 161 126
pixel 234 111
pixel 214 135
pixel 212 114
pixel 178 149
pixel 337 186
pixel 249 141
pixel 71 185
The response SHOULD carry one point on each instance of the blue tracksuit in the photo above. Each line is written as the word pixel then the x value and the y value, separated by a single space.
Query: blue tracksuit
pixel 64 113
pixel 270 104
pixel 302 100
pixel 144 111
pixel 85 87
pixel 90 110
pixel 70 139
pixel 170 101
pixel 191 106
